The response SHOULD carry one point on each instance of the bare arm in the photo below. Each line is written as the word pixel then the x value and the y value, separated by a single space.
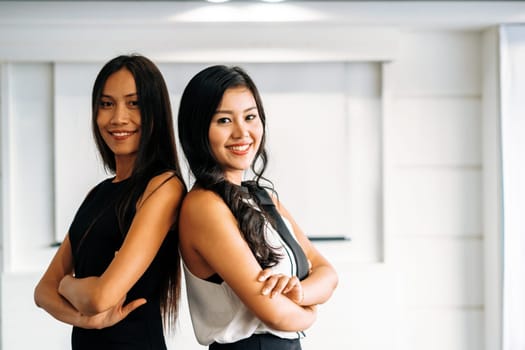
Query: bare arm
pixel 154 217
pixel 47 297
pixel 208 234
pixel 46 291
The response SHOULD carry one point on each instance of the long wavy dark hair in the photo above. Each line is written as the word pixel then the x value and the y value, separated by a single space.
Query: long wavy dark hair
pixel 157 153
pixel 198 104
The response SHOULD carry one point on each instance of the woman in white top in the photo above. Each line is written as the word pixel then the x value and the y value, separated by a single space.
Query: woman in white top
pixel 240 272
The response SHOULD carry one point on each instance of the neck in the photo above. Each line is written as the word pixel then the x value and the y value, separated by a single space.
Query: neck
pixel 123 167
pixel 235 178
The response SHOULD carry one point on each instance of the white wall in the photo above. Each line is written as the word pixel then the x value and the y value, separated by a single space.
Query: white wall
pixel 427 289
pixel 323 118
pixel 513 170
pixel 433 198
pixel 492 191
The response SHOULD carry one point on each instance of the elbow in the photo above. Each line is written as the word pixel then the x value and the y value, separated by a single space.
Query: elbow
pixel 329 284
pixel 102 298
pixel 87 295
pixel 285 325
pixel 43 293
pixel 90 303
pixel 333 283
pixel 286 322
pixel 90 307
pixel 282 325
pixel 95 302
pixel 37 295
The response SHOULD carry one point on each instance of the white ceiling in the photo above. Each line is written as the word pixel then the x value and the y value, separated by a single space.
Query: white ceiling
pixel 192 31
pixel 421 14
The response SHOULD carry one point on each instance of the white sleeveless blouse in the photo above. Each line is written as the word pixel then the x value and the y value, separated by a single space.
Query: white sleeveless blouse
pixel 218 315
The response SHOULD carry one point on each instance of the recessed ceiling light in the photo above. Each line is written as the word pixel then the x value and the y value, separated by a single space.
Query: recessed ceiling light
pixel 217 1
pixel 257 11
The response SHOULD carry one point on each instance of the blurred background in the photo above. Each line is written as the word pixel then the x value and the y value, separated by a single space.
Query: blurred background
pixel 395 135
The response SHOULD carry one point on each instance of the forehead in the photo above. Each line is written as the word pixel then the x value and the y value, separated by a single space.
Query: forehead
pixel 237 98
pixel 121 82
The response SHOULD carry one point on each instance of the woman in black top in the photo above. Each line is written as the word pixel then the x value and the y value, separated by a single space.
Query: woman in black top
pixel 116 275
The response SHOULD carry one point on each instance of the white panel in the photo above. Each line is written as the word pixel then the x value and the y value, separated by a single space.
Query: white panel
pixel 5 215
pixel 365 158
pixel 77 164
pixel 492 191
pixel 177 76
pixel 365 193
pixel 31 164
pixel 434 188
pixel 388 131
pixel 322 78
pixel 24 325
pixel 435 201
pixel 300 156
pixel 513 187
pixel 443 63
pixel 362 314
pixel 438 329
pixel 440 271
pixel 437 131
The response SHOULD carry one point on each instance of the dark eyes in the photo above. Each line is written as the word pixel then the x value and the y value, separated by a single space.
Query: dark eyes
pixel 104 104
pixel 226 120
pixel 223 120
pixel 134 103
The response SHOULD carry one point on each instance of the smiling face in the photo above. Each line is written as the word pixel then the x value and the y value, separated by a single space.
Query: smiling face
pixel 118 116
pixel 235 132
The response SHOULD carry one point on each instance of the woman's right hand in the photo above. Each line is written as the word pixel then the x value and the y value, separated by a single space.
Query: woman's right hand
pixel 274 284
pixel 112 315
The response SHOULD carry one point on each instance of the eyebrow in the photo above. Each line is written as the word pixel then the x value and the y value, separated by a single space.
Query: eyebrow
pixel 227 111
pixel 133 94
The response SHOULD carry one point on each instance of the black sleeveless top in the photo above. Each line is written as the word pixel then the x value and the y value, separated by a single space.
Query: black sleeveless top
pixel 95 237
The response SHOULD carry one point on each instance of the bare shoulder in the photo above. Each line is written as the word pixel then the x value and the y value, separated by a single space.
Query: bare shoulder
pixel 167 181
pixel 204 217
pixel 166 185
pixel 202 202
pixel 167 177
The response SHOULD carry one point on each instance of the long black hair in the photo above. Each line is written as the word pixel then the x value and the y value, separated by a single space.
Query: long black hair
pixel 157 153
pixel 198 104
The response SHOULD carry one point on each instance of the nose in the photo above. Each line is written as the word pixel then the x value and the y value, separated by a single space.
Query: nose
pixel 120 114
pixel 240 129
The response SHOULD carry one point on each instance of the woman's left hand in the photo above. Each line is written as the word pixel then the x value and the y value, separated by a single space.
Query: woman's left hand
pixel 274 284
pixel 111 316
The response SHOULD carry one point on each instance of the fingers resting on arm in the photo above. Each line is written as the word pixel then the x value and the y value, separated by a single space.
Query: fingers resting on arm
pixel 275 284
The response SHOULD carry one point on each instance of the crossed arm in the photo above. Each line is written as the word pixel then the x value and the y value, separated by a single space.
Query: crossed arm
pixel 209 233
pixel 97 302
